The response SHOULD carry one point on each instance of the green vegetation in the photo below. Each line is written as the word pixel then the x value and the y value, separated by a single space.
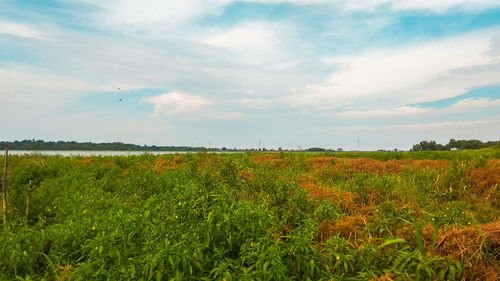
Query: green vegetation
pixel 254 216
pixel 454 144
pixel 89 146
pixel 37 145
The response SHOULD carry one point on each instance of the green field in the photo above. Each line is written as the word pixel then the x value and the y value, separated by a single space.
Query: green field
pixel 254 216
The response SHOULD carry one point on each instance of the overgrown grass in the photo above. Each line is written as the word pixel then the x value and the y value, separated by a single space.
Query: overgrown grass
pixel 254 216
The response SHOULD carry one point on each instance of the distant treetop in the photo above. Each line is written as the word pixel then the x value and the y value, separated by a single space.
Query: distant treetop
pixel 454 144
pixel 89 146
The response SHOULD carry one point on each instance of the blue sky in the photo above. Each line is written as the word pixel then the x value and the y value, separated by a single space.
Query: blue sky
pixel 230 73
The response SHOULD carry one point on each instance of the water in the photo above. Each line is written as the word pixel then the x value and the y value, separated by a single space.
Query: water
pixel 67 153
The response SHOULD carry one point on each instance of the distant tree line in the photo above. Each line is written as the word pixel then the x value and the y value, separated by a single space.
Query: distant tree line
pixel 454 144
pixel 89 146
pixel 118 146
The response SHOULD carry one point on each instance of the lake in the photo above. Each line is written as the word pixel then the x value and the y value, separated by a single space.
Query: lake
pixel 93 153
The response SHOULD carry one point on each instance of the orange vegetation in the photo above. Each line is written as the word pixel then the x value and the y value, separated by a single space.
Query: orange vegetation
pixel 461 243
pixel 87 160
pixel 367 165
pixel 464 244
pixel 467 244
pixel 483 179
pixel 345 199
pixel 494 163
pixel 385 277
pixel 209 162
pixel 484 185
pixel 163 164
pixel 321 162
pixel 347 227
pixel 246 176
pixel 271 160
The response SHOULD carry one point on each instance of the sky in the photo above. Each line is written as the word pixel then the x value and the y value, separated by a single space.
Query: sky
pixel 224 73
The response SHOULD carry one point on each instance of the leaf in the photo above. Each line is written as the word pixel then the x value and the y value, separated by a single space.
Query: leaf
pixel 434 237
pixel 392 241
pixel 266 264
pixel 419 239
pixel 452 273
pixel 442 274
pixel 132 270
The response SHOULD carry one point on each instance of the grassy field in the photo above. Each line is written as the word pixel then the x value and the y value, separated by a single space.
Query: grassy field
pixel 254 216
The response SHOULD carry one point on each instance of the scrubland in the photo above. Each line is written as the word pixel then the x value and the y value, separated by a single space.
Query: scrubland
pixel 254 216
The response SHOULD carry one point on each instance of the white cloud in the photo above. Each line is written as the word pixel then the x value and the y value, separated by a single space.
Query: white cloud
pixel 223 115
pixel 252 43
pixel 27 85
pixel 433 126
pixel 426 72
pixel 175 103
pixel 383 112
pixel 31 93
pixel 190 106
pixel 257 103
pixel 432 5
pixel 157 14
pixel 465 105
pixel 468 129
pixel 442 5
pixel 134 15
pixel 389 136
pixel 472 104
pixel 20 30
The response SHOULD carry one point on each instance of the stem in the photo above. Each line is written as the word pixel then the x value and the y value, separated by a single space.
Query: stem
pixel 28 200
pixel 4 184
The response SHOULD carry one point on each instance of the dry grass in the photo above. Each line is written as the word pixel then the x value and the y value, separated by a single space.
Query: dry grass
pixel 345 199
pixel 466 244
pixel 349 227
pixel 385 277
pixel 484 179
pixel 270 159
pixel 367 165
pixel 246 176
pixel 164 164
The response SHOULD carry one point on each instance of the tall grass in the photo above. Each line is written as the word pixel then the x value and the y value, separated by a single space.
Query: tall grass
pixel 250 216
